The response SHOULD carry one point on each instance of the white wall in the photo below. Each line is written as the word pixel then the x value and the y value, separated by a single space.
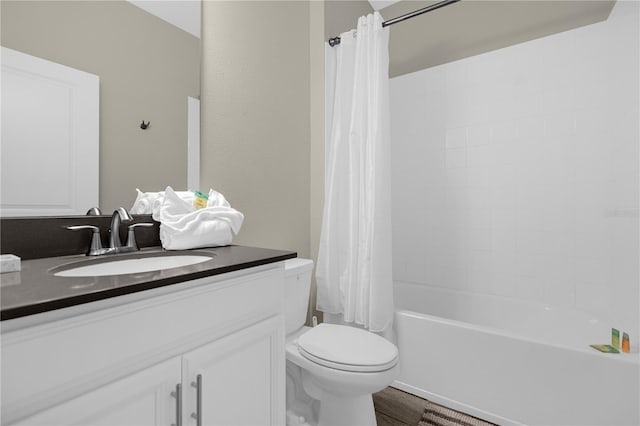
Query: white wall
pixel 516 172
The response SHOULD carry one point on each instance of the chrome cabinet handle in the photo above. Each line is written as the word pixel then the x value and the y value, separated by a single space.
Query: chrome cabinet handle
pixel 177 394
pixel 198 414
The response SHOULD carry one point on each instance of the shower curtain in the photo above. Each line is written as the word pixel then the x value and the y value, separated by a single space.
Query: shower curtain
pixel 354 261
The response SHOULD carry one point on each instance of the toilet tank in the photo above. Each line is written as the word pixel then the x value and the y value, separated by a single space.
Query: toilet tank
pixel 297 273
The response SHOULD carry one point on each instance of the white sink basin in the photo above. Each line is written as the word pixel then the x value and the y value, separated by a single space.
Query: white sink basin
pixel 132 266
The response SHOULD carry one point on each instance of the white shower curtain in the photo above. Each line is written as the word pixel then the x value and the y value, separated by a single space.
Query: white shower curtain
pixel 354 260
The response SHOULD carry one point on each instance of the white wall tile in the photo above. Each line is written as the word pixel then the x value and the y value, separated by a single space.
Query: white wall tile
pixel 456 138
pixel 503 230
pixel 530 128
pixel 593 297
pixel 456 74
pixel 478 135
pixel 504 284
pixel 479 176
pixel 530 288
pixel 592 243
pixel 480 156
pixel 559 124
pixel 480 218
pixel 456 158
pixel 517 172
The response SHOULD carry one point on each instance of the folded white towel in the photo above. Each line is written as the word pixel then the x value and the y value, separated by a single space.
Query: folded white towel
pixel 143 202
pixel 183 227
pixel 150 202
pixel 216 199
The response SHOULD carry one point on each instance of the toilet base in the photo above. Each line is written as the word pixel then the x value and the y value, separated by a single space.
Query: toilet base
pixel 301 408
pixel 309 405
pixel 295 419
pixel 336 407
pixel 340 411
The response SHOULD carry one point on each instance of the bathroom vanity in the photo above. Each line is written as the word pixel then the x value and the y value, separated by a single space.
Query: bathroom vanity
pixel 192 345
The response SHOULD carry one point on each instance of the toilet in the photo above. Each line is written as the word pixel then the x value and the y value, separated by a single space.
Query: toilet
pixel 332 370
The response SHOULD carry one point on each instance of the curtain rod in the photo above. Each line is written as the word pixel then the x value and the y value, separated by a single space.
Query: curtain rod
pixel 336 40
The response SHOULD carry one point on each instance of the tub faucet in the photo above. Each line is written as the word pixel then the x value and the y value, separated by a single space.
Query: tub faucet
pixel 119 215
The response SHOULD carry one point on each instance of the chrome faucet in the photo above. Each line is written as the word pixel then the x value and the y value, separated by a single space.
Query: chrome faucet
pixel 115 245
pixel 94 211
pixel 119 215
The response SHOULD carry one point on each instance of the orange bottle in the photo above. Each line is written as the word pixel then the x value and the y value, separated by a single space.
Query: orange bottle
pixel 625 343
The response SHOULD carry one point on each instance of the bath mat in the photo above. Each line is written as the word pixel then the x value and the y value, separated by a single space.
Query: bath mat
pixel 437 415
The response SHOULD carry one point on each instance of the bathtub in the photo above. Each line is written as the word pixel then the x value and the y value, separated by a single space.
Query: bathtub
pixel 511 362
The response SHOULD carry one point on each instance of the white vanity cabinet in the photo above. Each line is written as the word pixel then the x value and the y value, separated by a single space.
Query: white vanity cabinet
pixel 236 386
pixel 216 343
pixel 142 399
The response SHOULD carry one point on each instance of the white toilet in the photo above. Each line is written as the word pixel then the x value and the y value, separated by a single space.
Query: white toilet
pixel 332 370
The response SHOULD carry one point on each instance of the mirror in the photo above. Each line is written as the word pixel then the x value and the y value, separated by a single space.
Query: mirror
pixel 148 69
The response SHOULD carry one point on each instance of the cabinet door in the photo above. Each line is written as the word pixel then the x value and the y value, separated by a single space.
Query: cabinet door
pixel 142 399
pixel 242 378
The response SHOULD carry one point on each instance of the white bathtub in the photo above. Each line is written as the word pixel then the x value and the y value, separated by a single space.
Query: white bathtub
pixel 512 362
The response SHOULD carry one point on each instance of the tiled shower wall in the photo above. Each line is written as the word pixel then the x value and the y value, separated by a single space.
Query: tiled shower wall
pixel 516 172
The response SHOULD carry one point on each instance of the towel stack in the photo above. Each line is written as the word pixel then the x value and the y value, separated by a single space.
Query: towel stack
pixel 151 202
pixel 182 226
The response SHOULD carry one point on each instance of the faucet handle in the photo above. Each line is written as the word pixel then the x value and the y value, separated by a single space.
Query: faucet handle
pixel 131 237
pixel 96 242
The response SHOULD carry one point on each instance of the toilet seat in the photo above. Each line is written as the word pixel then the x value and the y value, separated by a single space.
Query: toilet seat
pixel 347 348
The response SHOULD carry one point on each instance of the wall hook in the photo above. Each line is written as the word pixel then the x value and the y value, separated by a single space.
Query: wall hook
pixel 144 125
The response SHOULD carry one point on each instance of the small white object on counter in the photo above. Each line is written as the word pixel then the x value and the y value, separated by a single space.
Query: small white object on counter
pixel 9 263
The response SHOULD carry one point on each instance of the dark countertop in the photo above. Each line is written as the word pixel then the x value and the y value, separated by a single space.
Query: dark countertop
pixel 35 289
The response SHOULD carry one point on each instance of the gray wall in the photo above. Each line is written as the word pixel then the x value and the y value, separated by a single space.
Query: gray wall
pixel 147 68
pixel 255 117
pixel 263 113
pixel 316 73
pixel 342 15
pixel 470 28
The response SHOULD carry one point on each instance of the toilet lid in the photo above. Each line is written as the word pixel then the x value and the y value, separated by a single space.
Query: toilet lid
pixel 347 348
